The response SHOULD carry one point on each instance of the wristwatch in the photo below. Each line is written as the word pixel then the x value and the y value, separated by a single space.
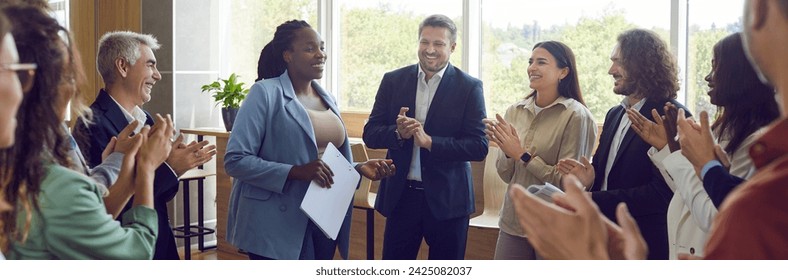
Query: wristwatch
pixel 526 157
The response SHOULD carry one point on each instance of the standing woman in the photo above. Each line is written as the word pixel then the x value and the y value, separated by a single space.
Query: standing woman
pixel 58 213
pixel 274 152
pixel 554 123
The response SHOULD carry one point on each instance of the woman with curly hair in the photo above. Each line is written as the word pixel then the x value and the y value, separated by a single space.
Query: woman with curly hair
pixel 57 213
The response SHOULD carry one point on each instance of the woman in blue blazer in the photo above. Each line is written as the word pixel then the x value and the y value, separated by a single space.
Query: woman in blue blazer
pixel 274 152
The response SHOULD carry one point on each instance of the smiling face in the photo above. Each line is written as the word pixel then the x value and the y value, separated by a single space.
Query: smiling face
pixel 141 76
pixel 10 92
pixel 543 71
pixel 619 73
pixel 713 98
pixel 435 49
pixel 307 57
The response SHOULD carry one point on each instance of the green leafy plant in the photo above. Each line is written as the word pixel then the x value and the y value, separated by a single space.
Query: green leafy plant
pixel 230 94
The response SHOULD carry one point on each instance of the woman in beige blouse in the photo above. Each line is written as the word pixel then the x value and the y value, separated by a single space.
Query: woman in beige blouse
pixel 551 123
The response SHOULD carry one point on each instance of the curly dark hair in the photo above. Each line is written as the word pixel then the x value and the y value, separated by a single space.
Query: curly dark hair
pixel 271 63
pixel 650 68
pixel 40 137
pixel 568 87
pixel 745 103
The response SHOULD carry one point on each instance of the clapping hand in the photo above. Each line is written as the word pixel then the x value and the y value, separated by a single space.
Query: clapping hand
pixel 505 136
pixel 156 145
pixel 697 142
pixel 122 143
pixel 671 123
pixel 651 132
pixel 376 169
pixel 583 170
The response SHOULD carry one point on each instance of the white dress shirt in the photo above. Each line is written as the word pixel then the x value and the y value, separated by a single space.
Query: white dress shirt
pixel 425 91
pixel 135 114
pixel 621 130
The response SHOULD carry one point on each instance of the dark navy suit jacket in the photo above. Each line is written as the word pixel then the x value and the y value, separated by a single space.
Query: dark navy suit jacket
pixel 454 121
pixel 634 179
pixel 108 121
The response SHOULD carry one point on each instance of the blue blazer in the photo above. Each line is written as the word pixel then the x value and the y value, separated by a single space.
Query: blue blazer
pixel 634 179
pixel 271 134
pixel 108 121
pixel 454 122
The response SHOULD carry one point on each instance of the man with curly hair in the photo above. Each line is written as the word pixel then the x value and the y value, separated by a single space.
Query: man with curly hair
pixel 645 73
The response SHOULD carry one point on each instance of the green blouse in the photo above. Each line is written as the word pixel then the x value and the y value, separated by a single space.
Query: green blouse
pixel 73 224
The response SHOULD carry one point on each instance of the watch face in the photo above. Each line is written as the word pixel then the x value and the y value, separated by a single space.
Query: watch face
pixel 525 157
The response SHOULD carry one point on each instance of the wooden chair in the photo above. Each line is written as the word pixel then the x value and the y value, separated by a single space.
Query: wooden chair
pixel 364 199
pixel 494 192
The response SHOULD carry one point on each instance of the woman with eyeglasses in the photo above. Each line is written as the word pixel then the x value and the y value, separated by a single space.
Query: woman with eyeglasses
pixel 57 213
pixel 10 98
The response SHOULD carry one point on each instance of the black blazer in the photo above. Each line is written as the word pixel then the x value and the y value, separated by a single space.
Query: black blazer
pixel 633 179
pixel 454 122
pixel 108 121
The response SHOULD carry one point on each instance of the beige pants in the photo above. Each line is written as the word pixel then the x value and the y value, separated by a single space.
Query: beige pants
pixel 511 247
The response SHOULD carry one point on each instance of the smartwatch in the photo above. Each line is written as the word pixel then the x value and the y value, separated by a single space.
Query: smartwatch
pixel 526 157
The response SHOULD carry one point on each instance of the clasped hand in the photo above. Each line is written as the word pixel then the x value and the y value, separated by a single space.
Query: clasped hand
pixel 505 136
pixel 408 127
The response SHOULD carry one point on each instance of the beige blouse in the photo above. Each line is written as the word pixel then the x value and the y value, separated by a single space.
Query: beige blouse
pixel 328 128
pixel 563 129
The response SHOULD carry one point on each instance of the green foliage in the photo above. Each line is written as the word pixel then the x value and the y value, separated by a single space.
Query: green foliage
pixel 253 24
pixel 592 41
pixel 701 51
pixel 374 41
pixel 378 38
pixel 230 94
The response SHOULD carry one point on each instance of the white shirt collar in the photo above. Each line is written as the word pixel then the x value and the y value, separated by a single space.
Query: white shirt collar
pixel 636 106
pixel 136 114
pixel 439 75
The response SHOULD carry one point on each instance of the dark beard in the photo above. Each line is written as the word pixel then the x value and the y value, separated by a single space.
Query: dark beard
pixel 625 89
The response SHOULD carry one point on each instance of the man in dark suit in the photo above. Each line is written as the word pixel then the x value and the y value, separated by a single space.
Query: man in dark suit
pixel 429 117
pixel 128 67
pixel 646 75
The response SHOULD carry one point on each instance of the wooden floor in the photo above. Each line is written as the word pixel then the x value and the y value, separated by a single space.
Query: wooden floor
pixel 197 255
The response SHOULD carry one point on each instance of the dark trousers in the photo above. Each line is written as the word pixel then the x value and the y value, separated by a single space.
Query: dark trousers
pixel 412 220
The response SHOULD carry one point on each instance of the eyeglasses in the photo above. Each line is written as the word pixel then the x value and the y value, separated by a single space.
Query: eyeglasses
pixel 25 71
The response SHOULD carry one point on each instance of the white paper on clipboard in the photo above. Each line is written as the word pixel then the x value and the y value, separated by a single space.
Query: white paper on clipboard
pixel 327 206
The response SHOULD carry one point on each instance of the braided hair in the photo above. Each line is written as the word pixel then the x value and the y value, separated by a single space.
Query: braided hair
pixel 271 63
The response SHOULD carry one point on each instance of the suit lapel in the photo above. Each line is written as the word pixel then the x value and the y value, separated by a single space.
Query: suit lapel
pixel 630 134
pixel 112 111
pixel 445 87
pixel 294 107
pixel 411 87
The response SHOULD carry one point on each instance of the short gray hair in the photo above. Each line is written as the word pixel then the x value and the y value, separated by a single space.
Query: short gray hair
pixel 438 20
pixel 120 44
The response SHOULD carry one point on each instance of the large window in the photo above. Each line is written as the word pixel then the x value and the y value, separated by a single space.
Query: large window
pixel 705 29
pixel 380 36
pixel 252 25
pixel 367 38
pixel 588 27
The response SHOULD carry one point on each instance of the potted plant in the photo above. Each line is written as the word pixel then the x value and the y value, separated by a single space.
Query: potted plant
pixel 230 95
